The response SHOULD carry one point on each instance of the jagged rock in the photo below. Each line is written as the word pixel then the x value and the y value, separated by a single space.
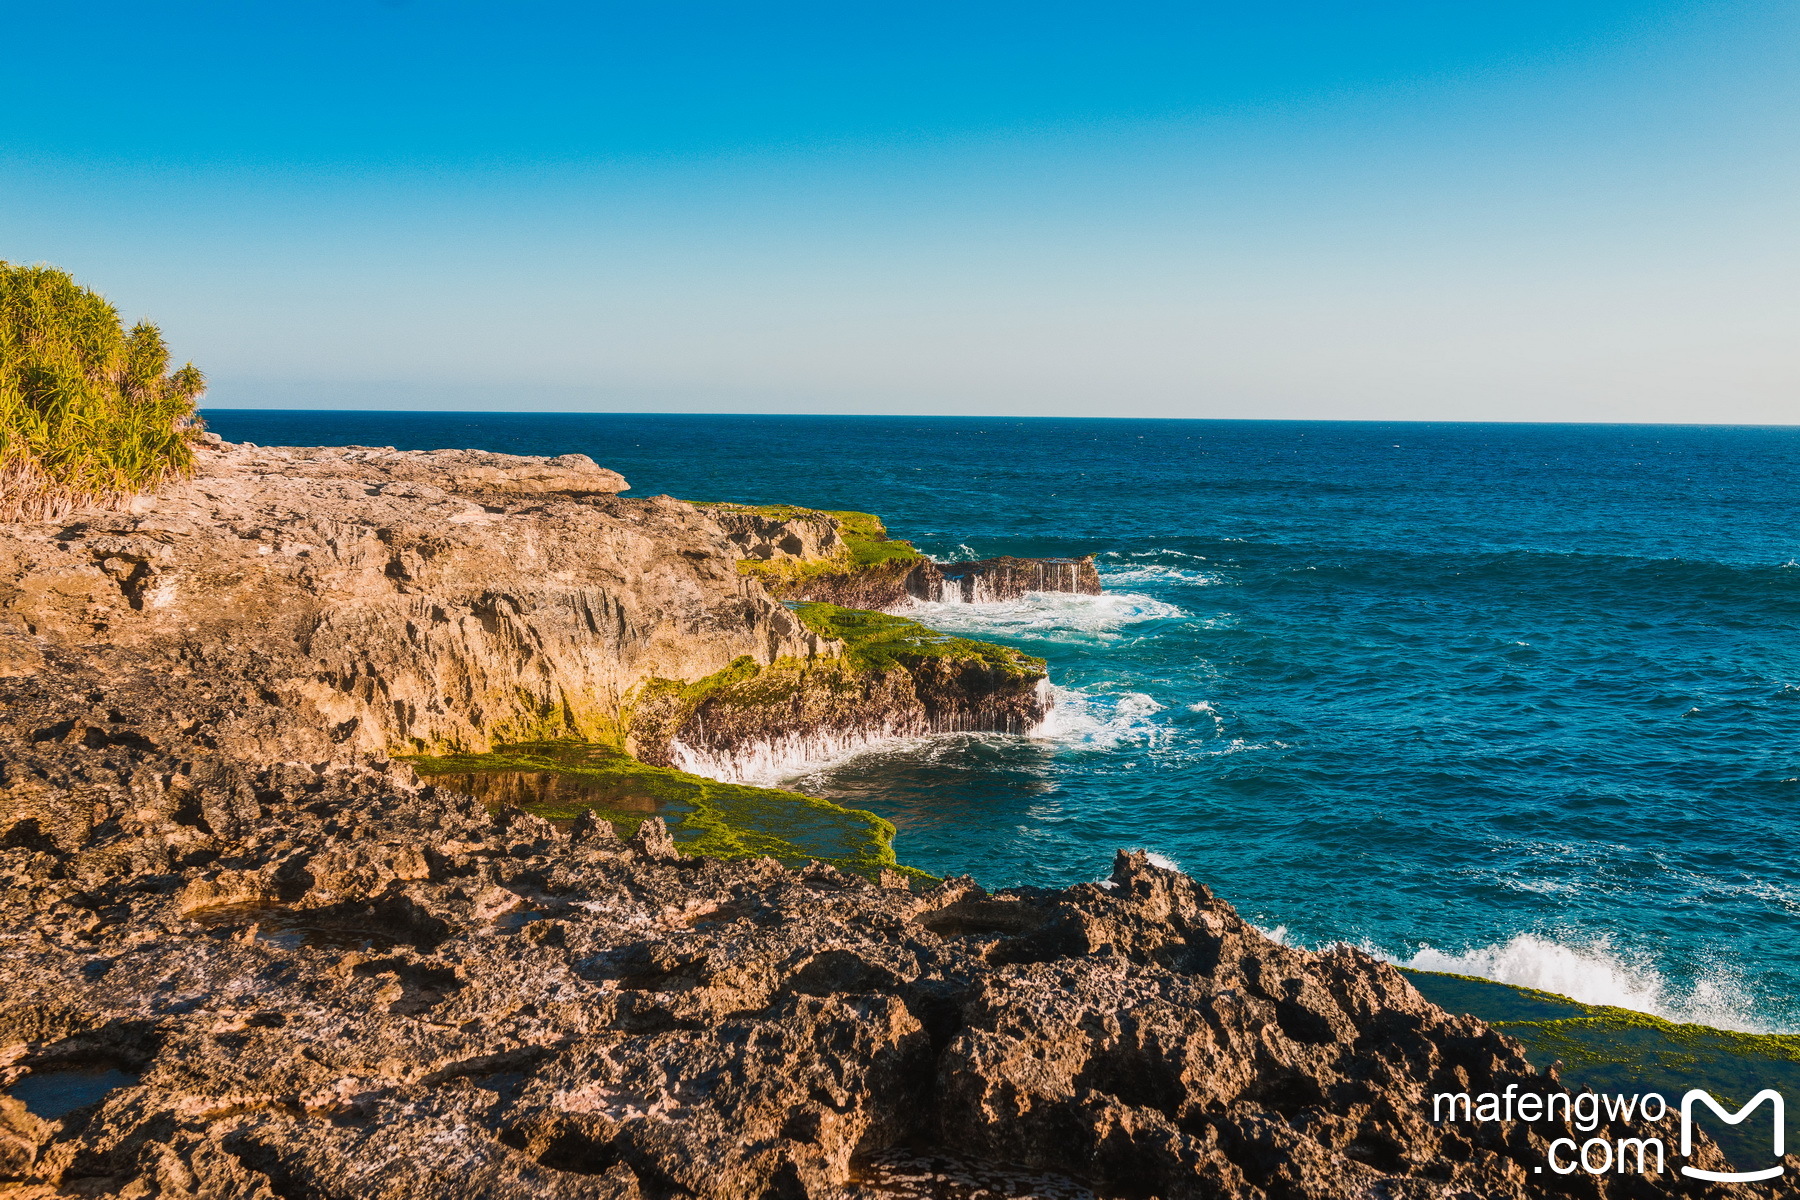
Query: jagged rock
pixel 281 967
pixel 1008 578
pixel 325 606
pixel 801 711
pixel 807 554
pixel 583 1017
pixel 894 585
pixel 652 840
pixel 804 535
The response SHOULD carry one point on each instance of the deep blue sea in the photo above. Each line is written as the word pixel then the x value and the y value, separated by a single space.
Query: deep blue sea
pixel 1520 701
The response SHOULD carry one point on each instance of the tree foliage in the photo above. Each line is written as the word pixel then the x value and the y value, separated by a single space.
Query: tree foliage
pixel 90 412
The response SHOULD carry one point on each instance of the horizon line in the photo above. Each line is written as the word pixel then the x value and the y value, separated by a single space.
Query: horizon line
pixel 531 412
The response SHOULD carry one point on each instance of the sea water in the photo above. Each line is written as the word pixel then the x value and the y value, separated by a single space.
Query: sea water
pixel 1519 701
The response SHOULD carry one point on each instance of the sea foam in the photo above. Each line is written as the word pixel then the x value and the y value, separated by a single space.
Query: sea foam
pixel 1597 973
pixel 1047 616
pixel 1091 719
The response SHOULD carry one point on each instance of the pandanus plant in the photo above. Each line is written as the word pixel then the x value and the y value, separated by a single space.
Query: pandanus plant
pixel 89 411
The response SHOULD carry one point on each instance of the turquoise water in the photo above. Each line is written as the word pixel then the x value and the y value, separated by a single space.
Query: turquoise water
pixel 1515 701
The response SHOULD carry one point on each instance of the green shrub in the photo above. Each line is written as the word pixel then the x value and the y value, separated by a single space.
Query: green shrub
pixel 89 411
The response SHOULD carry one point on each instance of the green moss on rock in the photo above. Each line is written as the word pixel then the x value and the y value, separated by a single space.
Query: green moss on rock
pixel 1617 1050
pixel 724 820
pixel 866 544
pixel 874 640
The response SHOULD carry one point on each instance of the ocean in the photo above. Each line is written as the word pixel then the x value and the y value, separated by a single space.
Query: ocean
pixel 1516 701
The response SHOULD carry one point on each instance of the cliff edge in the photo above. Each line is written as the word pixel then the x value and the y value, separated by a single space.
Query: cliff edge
pixel 341 605
pixel 249 954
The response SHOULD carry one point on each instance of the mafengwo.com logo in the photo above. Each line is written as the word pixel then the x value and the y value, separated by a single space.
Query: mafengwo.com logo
pixel 1615 1153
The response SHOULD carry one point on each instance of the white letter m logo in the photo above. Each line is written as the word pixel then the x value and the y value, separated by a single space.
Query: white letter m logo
pixel 1737 1118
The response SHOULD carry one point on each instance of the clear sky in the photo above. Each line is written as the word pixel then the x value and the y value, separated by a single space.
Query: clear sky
pixel 1461 209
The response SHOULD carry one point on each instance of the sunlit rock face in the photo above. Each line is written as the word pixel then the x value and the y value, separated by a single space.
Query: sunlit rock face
pixel 390 991
pixel 249 955
pixel 308 604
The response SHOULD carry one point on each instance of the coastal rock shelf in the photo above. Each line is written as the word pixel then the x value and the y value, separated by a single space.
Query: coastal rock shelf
pixel 848 559
pixel 380 991
pixel 305 604
pixel 275 925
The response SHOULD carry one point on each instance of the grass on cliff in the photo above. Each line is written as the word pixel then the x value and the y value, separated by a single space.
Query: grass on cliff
pixel 723 820
pixel 874 640
pixel 745 683
pixel 867 545
pixel 89 411
pixel 1616 1050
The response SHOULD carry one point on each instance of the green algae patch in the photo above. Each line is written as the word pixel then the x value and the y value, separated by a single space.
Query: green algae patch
pixel 560 780
pixel 658 706
pixel 868 540
pixel 877 641
pixel 1619 1051
pixel 866 544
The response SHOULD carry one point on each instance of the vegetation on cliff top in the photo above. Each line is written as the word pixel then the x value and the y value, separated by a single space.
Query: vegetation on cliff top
pixel 874 640
pixel 866 544
pixel 89 411
pixel 724 820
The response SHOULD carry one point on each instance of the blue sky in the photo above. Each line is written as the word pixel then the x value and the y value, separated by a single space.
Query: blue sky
pixel 1470 210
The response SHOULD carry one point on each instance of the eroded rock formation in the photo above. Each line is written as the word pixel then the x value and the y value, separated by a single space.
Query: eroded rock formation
pixel 326 605
pixel 381 991
pixel 242 954
pixel 1008 578
pixel 805 554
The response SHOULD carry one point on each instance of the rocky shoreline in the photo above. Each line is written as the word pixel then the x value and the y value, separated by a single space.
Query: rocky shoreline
pixel 248 952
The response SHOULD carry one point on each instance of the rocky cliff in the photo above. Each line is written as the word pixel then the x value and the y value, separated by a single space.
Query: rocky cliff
pixel 381 991
pixel 894 679
pixel 341 605
pixel 848 559
pixel 248 954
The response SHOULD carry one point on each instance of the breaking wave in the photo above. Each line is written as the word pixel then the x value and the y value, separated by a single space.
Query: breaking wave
pixel 1598 973
pixel 1093 720
pixel 1152 574
pixel 771 763
pixel 1047 616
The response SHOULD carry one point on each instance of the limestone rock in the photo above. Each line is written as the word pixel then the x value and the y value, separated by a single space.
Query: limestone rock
pixel 421 472
pixel 583 1017
pixel 257 958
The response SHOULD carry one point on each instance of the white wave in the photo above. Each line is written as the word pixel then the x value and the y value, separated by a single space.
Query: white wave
pixel 1242 746
pixel 963 553
pixel 1046 616
pixel 1205 708
pixel 1133 555
pixel 1164 861
pixel 1157 574
pixel 1092 720
pixel 1598 973
pixel 769 763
